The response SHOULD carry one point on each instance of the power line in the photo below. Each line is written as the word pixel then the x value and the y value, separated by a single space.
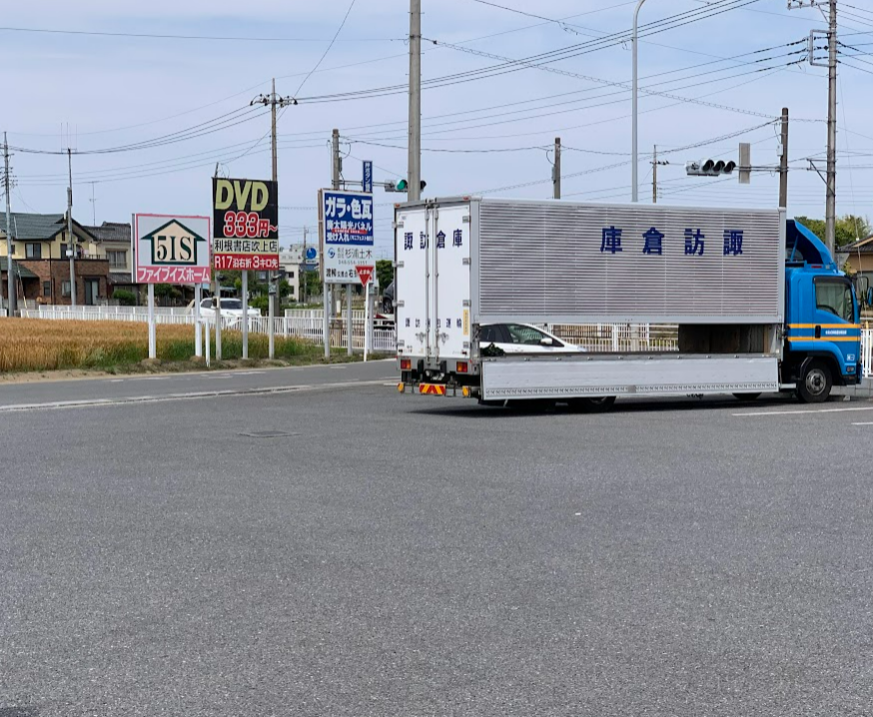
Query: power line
pixel 511 65
pixel 157 36
pixel 332 43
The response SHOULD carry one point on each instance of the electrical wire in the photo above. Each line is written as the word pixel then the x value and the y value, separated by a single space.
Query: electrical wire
pixel 329 47
pixel 510 65
pixel 156 36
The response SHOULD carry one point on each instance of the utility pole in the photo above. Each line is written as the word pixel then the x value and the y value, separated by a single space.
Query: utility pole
pixel 337 163
pixel 10 274
pixel 831 178
pixel 93 205
pixel 71 247
pixel 831 205
pixel 556 170
pixel 783 162
pixel 655 164
pixel 302 273
pixel 414 167
pixel 272 290
pixel 216 297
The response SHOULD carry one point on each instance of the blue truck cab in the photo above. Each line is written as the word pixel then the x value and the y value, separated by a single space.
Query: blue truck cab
pixel 822 346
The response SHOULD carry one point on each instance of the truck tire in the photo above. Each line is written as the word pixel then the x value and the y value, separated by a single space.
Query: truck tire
pixel 816 383
pixel 593 405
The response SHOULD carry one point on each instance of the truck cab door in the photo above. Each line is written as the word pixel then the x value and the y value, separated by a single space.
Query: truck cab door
pixel 835 320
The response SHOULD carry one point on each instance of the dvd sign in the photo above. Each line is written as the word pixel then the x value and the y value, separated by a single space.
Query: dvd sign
pixel 246 219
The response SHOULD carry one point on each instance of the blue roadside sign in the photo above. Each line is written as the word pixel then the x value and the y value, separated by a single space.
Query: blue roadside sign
pixel 368 177
pixel 348 235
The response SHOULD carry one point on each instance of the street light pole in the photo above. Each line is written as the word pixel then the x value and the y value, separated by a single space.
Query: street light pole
pixel 634 160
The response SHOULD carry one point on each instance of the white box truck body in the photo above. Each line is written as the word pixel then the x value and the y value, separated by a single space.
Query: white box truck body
pixel 467 263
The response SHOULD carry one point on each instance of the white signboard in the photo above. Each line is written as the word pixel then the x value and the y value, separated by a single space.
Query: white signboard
pixel 346 236
pixel 171 249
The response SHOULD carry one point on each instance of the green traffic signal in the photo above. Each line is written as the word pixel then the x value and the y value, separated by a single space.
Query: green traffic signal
pixel 402 185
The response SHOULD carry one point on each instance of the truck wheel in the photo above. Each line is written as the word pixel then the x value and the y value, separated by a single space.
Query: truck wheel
pixel 815 384
pixel 593 405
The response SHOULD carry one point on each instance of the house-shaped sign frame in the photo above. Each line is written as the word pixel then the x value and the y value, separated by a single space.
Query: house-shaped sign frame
pixel 151 236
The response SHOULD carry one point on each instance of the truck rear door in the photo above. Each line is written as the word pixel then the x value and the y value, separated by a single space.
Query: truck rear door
pixel 432 281
pixel 450 318
pixel 412 280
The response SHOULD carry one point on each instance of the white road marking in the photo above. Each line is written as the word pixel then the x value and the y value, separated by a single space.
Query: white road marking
pixel 128 400
pixel 863 424
pixel 801 412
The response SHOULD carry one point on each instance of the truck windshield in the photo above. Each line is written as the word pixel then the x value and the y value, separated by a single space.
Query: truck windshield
pixel 835 296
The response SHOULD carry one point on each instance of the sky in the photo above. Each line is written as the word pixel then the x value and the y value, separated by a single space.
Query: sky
pixel 148 117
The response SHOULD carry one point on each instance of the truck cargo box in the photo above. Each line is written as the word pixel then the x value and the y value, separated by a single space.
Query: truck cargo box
pixel 473 261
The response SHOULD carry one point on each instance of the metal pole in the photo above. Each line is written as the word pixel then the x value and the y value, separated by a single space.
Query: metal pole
pixel 783 162
pixel 831 204
pixel 414 169
pixel 326 320
pixel 10 272
pixel 198 339
pixel 349 333
pixel 153 348
pixel 301 272
pixel 655 175
pixel 634 159
pixel 245 316
pixel 216 297
pixel 208 347
pixel 556 179
pixel 71 247
pixel 367 319
pixel 336 165
pixel 271 297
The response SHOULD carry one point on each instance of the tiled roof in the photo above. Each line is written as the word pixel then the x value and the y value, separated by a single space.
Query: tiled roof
pixel 865 246
pixel 20 270
pixel 33 226
pixel 111 231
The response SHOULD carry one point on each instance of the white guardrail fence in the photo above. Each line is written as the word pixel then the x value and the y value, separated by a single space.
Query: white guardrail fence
pixel 307 324
pixel 303 324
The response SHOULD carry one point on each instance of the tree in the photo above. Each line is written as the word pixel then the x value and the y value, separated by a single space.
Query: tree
pixel 849 228
pixel 124 297
pixel 313 285
pixel 385 272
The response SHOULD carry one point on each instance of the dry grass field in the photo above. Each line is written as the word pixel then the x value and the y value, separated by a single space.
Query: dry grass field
pixel 41 345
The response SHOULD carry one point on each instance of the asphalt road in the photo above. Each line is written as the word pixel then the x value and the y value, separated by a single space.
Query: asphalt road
pixel 398 555
pixel 203 384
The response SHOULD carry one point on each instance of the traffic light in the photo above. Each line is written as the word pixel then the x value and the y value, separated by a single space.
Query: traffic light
pixel 402 186
pixel 710 168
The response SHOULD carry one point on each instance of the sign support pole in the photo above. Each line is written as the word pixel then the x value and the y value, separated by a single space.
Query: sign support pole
pixel 245 317
pixel 349 332
pixel 368 316
pixel 326 323
pixel 153 349
pixel 271 313
pixel 198 343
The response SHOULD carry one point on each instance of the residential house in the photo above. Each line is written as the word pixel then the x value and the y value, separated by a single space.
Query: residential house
pixel 41 267
pixel 857 258
pixel 113 242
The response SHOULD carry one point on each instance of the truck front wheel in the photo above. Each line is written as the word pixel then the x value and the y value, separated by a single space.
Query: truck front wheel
pixel 815 384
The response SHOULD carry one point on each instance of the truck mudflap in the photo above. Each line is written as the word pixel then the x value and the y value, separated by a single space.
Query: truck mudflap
pixel 509 378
